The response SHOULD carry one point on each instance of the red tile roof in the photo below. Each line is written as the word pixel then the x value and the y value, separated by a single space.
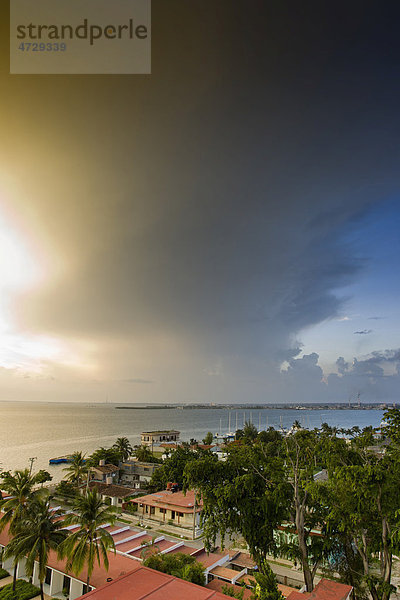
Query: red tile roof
pixel 152 585
pixel 326 589
pixel 170 500
pixel 110 489
pixel 105 468
pixel 169 445
pixel 118 565
pixel 202 446
pixel 286 590
pixel 299 596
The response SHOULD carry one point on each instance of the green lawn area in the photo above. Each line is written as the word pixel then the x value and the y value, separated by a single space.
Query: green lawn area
pixel 24 591
pixel 3 573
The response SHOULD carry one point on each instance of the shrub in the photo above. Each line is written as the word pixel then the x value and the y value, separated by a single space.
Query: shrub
pixel 3 573
pixel 66 489
pixel 23 591
pixel 180 565
pixel 230 590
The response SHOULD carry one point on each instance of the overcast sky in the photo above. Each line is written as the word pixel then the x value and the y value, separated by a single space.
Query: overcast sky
pixel 223 230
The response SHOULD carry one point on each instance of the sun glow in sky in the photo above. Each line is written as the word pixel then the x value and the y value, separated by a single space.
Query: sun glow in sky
pixel 22 269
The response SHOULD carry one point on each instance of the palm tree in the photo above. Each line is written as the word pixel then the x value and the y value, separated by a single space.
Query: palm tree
pixel 77 469
pixel 110 455
pixel 124 448
pixel 144 454
pixel 91 542
pixel 37 534
pixel 19 486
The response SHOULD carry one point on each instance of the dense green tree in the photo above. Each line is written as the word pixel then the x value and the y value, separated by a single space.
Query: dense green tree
pixel 301 451
pixel 392 427
pixel 180 565
pixel 270 436
pixel 208 439
pixel 266 585
pixel 91 541
pixel 250 432
pixel 38 532
pixel 247 493
pixel 363 503
pixel 123 447
pixel 172 469
pixel 262 485
pixel 77 470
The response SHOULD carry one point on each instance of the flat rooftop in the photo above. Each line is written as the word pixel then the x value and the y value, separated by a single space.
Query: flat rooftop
pixel 224 572
pixel 160 432
pixel 210 559
pixel 243 560
pixel 183 550
pixel 134 544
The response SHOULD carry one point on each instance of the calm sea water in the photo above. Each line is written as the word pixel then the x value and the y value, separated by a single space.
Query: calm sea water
pixel 48 430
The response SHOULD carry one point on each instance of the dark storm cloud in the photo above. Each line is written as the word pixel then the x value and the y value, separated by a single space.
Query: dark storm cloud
pixel 368 367
pixel 209 203
pixel 304 381
pixel 288 354
pixel 342 365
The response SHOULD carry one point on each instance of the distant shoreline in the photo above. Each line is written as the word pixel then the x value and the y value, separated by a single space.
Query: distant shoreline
pixel 258 407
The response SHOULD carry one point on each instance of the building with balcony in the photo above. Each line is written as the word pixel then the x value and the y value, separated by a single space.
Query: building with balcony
pixel 155 438
pixel 136 473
